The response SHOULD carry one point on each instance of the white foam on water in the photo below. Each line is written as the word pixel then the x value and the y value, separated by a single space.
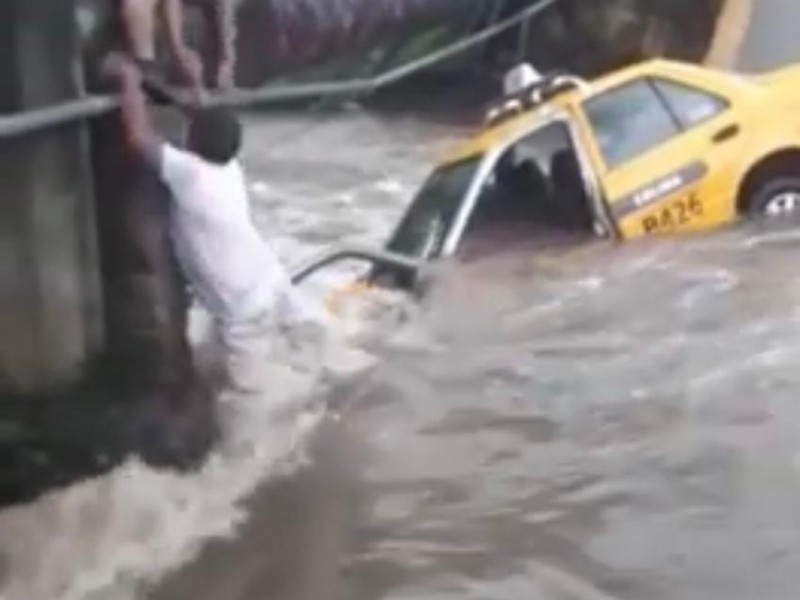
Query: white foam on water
pixel 772 238
pixel 391 186
pixel 106 538
pixel 111 537
pixel 260 188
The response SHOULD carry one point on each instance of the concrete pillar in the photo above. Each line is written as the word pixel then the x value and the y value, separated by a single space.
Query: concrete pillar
pixel 144 295
pixel 49 296
pixel 148 364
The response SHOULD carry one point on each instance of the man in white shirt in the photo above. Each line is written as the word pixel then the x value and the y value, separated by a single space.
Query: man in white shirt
pixel 233 272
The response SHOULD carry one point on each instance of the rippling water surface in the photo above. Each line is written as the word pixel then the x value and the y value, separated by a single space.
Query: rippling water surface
pixel 602 422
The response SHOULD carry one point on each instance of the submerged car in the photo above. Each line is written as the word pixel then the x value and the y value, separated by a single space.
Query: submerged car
pixel 657 148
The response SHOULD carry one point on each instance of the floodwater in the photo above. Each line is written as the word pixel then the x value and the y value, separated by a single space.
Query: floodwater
pixel 605 422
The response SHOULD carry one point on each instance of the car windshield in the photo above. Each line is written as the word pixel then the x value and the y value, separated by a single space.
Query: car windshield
pixel 425 226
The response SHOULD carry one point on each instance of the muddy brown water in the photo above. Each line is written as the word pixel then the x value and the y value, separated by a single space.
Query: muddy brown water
pixel 597 422
pixel 603 422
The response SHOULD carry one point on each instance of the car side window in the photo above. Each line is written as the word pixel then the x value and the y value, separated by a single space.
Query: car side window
pixel 630 120
pixel 690 105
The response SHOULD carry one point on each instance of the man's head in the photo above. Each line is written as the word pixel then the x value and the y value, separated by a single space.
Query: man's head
pixel 215 135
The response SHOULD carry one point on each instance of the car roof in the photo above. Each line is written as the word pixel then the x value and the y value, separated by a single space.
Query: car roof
pixel 490 136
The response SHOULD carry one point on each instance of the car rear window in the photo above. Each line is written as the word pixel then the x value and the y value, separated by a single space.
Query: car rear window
pixel 630 120
pixel 690 105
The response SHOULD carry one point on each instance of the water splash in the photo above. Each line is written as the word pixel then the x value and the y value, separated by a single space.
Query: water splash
pixel 111 537
pixel 108 537
pixel 536 430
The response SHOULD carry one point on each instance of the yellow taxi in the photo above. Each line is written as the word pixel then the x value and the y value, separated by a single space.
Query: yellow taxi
pixel 657 148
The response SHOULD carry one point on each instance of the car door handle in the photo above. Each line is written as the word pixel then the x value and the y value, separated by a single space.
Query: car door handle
pixel 726 133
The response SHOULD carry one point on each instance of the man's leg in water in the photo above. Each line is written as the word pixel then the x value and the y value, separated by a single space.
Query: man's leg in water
pixel 315 335
pixel 294 337
pixel 297 342
pixel 264 367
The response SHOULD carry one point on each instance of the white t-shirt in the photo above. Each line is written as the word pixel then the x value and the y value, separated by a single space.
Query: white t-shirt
pixel 234 273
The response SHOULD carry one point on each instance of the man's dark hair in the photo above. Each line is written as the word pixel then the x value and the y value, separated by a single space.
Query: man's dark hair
pixel 215 134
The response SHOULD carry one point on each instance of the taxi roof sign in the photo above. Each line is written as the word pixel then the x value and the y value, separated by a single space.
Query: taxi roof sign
pixel 520 78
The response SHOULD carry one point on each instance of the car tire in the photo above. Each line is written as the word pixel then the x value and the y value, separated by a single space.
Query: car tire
pixel 774 198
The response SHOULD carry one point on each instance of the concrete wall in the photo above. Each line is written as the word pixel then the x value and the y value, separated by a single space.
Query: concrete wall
pixel 49 300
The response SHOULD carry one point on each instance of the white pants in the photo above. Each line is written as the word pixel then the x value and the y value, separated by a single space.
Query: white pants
pixel 291 338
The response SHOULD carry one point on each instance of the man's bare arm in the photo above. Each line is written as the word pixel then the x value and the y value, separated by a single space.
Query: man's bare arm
pixel 140 135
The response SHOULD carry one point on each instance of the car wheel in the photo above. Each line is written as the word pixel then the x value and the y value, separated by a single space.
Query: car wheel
pixel 775 198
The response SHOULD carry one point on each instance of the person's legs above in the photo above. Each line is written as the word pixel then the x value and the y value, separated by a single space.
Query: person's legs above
pixel 139 20
pixel 139 17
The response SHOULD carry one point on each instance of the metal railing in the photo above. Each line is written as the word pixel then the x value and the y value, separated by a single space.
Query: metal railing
pixel 24 122
pixel 375 257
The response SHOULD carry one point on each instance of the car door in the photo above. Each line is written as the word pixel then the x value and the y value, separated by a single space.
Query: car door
pixel 668 148
pixel 544 177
